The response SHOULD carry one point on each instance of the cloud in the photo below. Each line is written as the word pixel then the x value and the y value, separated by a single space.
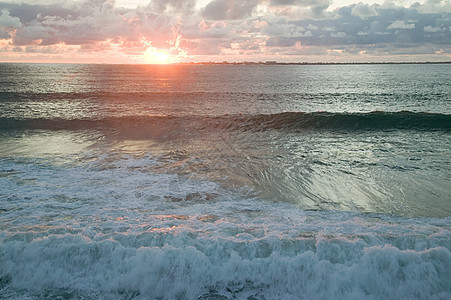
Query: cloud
pixel 229 9
pixel 224 27
pixel 300 9
pixel 284 30
pixel 303 3
pixel 185 7
pixel 364 11
pixel 358 29
pixel 401 24
pixel 6 21
pixel 90 22
pixel 8 25
pixel 338 34
pixel 312 27
pixel 432 29
pixel 434 7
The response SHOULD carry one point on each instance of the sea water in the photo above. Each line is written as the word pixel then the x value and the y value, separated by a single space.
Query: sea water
pixel 225 182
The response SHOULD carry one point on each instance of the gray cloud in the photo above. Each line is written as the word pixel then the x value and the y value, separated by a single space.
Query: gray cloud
pixel 303 3
pixel 88 22
pixel 300 9
pixel 362 28
pixel 229 9
pixel 183 7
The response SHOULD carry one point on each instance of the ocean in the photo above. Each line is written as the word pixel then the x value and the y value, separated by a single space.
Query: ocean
pixel 225 181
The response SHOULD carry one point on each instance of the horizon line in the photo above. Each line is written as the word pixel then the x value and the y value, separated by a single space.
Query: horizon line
pixel 267 63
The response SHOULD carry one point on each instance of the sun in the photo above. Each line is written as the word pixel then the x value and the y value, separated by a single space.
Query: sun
pixel 154 56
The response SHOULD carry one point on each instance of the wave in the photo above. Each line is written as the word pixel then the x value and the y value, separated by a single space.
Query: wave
pixel 349 121
pixel 288 121
pixel 308 268
pixel 109 227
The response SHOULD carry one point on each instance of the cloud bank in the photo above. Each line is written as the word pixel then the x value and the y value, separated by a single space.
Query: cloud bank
pixel 287 30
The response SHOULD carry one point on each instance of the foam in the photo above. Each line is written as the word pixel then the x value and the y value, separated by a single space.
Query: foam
pixel 325 269
pixel 113 227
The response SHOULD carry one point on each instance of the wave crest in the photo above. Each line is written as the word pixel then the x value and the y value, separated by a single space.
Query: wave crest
pixel 377 120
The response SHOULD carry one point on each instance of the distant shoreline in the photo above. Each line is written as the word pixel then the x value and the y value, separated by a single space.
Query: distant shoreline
pixel 275 63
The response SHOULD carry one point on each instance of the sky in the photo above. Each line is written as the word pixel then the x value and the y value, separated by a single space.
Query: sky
pixel 169 31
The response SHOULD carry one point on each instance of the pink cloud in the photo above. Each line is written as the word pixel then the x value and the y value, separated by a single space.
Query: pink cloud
pixel 225 29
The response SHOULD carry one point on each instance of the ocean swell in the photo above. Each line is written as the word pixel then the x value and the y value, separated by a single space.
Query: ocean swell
pixel 288 121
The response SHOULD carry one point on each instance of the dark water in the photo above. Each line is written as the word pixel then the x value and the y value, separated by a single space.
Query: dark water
pixel 216 182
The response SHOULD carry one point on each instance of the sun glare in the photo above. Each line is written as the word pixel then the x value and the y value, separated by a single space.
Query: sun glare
pixel 154 56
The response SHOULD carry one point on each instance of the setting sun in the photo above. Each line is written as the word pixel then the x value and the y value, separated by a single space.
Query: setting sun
pixel 154 56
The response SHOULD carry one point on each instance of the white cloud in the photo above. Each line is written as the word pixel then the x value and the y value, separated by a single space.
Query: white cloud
pixel 364 11
pixel 328 28
pixel 284 30
pixel 432 29
pixel 306 34
pixel 338 34
pixel 435 6
pixel 9 22
pixel 401 24
pixel 312 27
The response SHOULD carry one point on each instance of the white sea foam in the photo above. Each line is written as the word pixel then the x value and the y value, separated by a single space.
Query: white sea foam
pixel 331 269
pixel 114 227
